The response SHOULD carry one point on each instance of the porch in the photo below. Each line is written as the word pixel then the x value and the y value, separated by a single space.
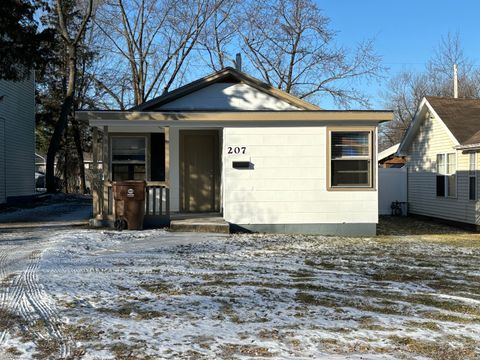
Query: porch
pixel 181 167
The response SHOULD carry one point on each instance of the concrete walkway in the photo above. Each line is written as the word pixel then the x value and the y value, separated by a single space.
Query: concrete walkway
pixel 207 223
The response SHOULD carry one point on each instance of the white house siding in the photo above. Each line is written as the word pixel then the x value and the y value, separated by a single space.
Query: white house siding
pixel 17 109
pixel 288 182
pixel 228 96
pixel 432 139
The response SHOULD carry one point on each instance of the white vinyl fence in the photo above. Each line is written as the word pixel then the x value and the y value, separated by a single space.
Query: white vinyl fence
pixel 392 186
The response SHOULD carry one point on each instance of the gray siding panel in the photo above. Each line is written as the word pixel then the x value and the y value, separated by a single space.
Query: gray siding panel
pixel 3 196
pixel 18 111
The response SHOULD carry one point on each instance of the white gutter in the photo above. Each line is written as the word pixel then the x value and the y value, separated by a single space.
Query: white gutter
pixel 468 147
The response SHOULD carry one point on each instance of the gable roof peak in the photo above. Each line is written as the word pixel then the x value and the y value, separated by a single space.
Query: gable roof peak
pixel 226 74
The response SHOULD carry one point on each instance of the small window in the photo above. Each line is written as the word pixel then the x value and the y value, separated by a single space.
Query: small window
pixel 128 158
pixel 446 183
pixel 351 159
pixel 472 177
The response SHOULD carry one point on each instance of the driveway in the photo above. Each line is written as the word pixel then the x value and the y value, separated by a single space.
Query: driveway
pixel 53 211
pixel 94 294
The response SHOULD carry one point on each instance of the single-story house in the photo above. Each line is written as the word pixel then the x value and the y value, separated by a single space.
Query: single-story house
pixel 441 147
pixel 17 139
pixel 232 145
pixel 388 158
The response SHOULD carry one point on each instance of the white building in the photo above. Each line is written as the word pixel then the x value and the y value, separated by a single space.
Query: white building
pixel 441 146
pixel 17 139
pixel 261 158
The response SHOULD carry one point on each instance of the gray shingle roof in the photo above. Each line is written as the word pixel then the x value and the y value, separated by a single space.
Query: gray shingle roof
pixel 461 116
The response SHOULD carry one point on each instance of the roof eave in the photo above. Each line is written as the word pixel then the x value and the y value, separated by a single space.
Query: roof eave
pixel 468 147
pixel 226 116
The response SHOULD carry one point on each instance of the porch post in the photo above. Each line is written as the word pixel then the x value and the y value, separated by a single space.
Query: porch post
pixel 106 172
pixel 167 170
pixel 95 174
pixel 167 156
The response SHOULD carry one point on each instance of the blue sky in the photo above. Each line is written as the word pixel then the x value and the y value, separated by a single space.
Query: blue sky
pixel 406 32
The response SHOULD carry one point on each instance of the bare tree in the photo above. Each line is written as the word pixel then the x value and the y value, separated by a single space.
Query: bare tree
pixel 71 34
pixel 289 44
pixel 220 34
pixel 149 42
pixel 405 92
pixel 406 89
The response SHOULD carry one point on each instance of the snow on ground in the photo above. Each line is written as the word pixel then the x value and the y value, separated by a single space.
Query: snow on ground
pixel 96 294
pixel 56 208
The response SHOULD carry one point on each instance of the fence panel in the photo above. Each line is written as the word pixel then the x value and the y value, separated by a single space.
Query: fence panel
pixel 392 186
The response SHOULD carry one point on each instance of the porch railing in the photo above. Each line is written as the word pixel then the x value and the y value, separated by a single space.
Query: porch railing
pixel 157 199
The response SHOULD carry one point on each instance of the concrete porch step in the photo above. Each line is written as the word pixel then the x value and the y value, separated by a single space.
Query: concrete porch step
pixel 204 224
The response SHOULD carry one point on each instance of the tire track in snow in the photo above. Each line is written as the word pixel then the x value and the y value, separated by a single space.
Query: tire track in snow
pixel 7 257
pixel 27 298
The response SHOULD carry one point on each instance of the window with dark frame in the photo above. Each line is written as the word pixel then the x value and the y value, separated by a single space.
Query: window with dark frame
pixel 472 177
pixel 350 159
pixel 128 158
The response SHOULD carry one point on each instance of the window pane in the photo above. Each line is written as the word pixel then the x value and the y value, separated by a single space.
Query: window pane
pixel 138 172
pixel 440 163
pixel 440 185
pixel 122 172
pixel 128 149
pixel 452 185
pixel 350 172
pixel 119 172
pixel 472 188
pixel 451 164
pixel 473 165
pixel 348 144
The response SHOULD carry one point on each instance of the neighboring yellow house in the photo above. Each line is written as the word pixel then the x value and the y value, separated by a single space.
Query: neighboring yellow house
pixel 441 146
pixel 234 146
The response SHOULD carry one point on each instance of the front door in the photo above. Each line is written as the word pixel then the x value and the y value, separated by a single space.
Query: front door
pixel 199 171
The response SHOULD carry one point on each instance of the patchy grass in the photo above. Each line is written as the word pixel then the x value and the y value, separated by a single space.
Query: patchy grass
pixel 132 311
pixel 427 325
pixel 437 349
pixel 9 319
pixel 45 348
pixel 13 350
pixel 124 351
pixel 228 350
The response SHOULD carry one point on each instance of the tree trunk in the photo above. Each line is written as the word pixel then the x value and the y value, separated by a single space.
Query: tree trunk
pixel 63 119
pixel 65 169
pixel 78 145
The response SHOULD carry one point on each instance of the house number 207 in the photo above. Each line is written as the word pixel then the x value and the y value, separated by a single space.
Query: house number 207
pixel 237 149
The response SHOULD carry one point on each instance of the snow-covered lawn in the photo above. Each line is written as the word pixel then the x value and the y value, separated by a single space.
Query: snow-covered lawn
pixel 153 294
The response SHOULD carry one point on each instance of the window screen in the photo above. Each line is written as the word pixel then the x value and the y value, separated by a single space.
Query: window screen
pixel 351 158
pixel 128 158
pixel 446 184
pixel 128 149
